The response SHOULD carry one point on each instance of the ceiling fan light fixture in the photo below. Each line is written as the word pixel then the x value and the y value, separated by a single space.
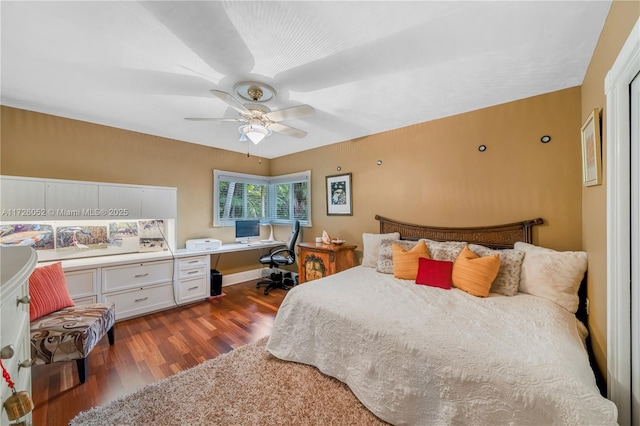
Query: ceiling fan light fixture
pixel 254 132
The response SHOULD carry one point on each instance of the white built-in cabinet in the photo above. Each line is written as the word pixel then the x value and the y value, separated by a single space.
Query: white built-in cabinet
pixel 140 287
pixel 138 283
pixel 24 198
pixel 18 196
pixel 63 199
pixel 192 278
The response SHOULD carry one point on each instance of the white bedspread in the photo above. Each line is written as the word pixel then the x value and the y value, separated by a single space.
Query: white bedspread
pixel 426 356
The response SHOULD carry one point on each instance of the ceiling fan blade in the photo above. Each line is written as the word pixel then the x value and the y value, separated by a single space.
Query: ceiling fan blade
pixel 231 101
pixel 290 113
pixel 287 130
pixel 211 119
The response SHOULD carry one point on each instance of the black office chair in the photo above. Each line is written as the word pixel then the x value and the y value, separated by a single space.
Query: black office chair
pixel 277 257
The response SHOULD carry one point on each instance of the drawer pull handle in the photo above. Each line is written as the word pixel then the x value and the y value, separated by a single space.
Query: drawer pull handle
pixel 7 352
pixel 141 300
pixel 193 288
pixel 194 261
pixel 192 272
pixel 140 275
pixel 26 299
pixel 24 364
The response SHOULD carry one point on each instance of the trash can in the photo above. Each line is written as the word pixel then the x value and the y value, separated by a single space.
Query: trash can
pixel 216 283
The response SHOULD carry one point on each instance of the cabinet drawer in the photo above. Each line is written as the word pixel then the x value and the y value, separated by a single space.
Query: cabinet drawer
pixel 81 283
pixel 193 262
pixel 135 275
pixel 193 289
pixel 199 271
pixel 141 301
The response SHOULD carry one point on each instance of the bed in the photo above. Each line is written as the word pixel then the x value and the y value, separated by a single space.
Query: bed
pixel 425 355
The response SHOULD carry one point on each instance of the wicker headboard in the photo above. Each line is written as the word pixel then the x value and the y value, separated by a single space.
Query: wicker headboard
pixel 498 236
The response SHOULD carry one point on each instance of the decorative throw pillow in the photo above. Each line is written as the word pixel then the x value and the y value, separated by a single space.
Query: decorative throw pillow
pixel 48 291
pixel 405 262
pixel 434 273
pixel 385 253
pixel 371 247
pixel 507 281
pixel 474 274
pixel 444 250
pixel 554 275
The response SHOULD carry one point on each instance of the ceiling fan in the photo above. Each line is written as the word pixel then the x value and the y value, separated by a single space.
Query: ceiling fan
pixel 259 120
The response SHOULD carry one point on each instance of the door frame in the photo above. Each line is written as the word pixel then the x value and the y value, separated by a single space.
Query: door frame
pixel 616 87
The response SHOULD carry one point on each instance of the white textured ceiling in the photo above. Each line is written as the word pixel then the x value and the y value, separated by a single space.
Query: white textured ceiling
pixel 365 67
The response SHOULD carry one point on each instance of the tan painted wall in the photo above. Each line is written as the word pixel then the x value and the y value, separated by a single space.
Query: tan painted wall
pixel 432 173
pixel 621 19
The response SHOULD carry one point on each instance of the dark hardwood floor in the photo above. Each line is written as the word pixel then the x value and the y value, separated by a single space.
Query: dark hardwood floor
pixel 153 347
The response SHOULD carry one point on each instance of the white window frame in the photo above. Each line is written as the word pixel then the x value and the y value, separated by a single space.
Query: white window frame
pixel 221 175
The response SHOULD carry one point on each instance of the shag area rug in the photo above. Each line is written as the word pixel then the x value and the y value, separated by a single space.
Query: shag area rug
pixel 247 386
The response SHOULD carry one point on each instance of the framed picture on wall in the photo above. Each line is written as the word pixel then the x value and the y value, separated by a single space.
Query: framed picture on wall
pixel 339 195
pixel 591 150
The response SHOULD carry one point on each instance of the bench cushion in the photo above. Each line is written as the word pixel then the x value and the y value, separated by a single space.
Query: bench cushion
pixel 70 333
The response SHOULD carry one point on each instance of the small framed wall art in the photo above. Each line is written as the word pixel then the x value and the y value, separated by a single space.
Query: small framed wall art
pixel 591 150
pixel 339 195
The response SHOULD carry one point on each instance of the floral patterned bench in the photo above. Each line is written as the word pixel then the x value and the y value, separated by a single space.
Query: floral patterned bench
pixel 71 333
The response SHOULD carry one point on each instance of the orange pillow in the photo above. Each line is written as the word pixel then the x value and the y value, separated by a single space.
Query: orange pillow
pixel 474 274
pixel 405 263
pixel 48 291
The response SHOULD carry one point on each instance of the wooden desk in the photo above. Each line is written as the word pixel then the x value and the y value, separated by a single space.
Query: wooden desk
pixel 319 260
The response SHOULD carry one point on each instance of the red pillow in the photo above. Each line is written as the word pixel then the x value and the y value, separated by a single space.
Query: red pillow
pixel 434 273
pixel 48 291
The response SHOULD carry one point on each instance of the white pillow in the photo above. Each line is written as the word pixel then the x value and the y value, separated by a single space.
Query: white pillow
pixel 554 275
pixel 371 246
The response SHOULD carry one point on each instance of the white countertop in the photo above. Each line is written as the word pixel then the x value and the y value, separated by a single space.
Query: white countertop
pixel 116 259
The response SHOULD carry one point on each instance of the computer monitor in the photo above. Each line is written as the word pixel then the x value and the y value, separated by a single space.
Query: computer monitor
pixel 247 230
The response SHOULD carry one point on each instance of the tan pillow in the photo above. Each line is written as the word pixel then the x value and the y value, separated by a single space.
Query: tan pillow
pixel 405 263
pixel 474 274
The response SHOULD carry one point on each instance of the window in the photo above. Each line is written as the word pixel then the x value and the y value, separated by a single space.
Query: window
pixel 275 199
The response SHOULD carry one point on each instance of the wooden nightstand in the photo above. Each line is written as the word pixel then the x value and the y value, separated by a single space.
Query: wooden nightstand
pixel 317 260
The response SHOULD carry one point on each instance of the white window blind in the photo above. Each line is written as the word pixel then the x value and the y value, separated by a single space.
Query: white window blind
pixel 273 199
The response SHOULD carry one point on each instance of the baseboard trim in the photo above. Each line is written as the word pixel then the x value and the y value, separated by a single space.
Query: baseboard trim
pixel 240 277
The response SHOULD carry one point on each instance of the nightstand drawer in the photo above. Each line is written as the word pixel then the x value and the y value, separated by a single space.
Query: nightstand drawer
pixel 135 275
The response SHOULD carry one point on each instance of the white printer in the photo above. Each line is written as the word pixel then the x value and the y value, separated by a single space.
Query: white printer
pixel 202 244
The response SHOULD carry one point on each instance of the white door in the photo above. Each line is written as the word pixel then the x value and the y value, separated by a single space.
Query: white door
pixel 623 230
pixel 635 250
